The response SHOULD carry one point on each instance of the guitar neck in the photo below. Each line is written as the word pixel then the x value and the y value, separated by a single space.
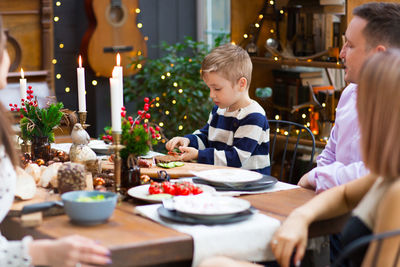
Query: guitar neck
pixel 115 3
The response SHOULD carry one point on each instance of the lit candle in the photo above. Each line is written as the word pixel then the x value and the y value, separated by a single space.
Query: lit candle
pixel 117 74
pixel 116 104
pixel 81 86
pixel 22 86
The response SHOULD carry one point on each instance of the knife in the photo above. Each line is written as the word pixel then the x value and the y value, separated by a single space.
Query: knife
pixel 41 206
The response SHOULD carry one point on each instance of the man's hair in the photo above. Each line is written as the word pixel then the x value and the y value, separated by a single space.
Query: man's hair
pixel 378 109
pixel 383 23
pixel 230 61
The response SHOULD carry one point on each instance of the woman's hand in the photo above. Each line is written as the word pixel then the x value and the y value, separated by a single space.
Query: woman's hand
pixel 69 251
pixel 188 153
pixel 291 235
pixel 177 142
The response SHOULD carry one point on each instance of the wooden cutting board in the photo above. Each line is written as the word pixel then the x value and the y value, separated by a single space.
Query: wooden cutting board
pixel 177 172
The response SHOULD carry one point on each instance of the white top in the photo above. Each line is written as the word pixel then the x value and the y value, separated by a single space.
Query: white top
pixel 12 253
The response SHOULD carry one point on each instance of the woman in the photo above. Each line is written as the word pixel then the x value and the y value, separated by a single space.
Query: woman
pixel 374 199
pixel 68 251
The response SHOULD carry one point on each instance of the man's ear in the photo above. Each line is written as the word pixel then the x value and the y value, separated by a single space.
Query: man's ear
pixel 243 83
pixel 380 48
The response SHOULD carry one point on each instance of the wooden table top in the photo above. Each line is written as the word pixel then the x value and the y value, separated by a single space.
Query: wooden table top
pixel 137 241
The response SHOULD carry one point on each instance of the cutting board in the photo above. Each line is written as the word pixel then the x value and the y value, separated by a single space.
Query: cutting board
pixel 177 172
pixel 41 195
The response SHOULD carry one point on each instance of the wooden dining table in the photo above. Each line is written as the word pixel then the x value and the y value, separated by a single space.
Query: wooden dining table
pixel 138 241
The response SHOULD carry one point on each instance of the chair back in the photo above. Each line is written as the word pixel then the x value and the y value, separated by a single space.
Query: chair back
pixel 290 135
pixel 364 241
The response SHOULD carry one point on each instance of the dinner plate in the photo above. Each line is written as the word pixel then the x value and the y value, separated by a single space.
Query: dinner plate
pixel 265 182
pixel 142 192
pixel 177 217
pixel 209 206
pixel 229 176
pixel 100 147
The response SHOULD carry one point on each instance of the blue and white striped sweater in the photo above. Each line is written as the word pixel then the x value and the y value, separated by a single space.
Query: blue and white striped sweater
pixel 236 139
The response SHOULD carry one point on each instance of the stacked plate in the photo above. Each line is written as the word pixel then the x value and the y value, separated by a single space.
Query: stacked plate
pixel 234 179
pixel 206 209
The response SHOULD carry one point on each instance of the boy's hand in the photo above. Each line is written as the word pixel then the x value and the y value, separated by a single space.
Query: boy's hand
pixel 177 142
pixel 188 153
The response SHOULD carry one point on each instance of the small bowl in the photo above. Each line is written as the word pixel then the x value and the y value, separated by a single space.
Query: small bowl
pixel 89 213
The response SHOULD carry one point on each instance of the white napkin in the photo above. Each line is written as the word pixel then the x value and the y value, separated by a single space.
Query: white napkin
pixel 246 240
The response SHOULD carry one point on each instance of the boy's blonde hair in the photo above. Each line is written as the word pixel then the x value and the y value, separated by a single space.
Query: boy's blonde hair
pixel 378 105
pixel 230 61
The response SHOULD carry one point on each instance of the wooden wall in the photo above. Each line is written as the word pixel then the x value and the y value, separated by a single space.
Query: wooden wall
pixel 166 20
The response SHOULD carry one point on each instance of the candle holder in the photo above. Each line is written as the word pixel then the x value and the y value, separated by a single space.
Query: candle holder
pixel 82 119
pixel 117 147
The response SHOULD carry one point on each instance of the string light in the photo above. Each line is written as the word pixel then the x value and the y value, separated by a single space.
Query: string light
pixel 139 53
pixel 146 38
pixel 175 84
pixel 54 61
pixel 137 10
pixel 67 89
pixel 323 105
pixel 271 3
pixel 185 117
pixel 308 124
pixel 58 76
pixel 180 91
pixel 56 19
pixel 139 25
pixel 161 124
pixel 257 25
pixel 276 58
pixel 245 36
pixel 303 116
pixel 94 82
pixel 260 16
pixel 271 31
pixel 281 11
pixel 167 112
pixel 58 3
pixel 276 117
pixel 286 133
pixel 139 66
pixel 180 128
pixel 157 98
pixel 162 77
pixel 157 104
pixel 61 45
pixel 174 102
pixel 168 74
pixel 233 43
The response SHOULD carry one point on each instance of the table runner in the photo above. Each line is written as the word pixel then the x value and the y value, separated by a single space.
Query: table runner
pixel 246 240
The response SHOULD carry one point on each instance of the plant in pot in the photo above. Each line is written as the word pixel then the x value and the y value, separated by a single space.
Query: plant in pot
pixel 37 124
pixel 138 137
pixel 181 97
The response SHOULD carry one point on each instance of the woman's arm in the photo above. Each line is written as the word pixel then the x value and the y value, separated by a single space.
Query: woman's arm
pixel 334 202
pixel 388 219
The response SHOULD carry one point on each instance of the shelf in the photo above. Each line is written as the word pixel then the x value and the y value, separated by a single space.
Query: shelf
pixel 295 62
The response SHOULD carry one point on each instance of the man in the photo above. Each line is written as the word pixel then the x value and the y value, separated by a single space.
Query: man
pixel 375 27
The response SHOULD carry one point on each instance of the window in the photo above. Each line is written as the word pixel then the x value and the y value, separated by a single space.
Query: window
pixel 213 18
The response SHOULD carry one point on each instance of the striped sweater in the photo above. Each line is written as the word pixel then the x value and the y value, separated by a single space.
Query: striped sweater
pixel 236 139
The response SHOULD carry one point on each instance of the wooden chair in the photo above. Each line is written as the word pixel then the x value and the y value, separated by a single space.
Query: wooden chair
pixel 285 138
pixel 363 242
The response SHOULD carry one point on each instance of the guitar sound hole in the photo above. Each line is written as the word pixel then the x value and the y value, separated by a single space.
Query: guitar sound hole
pixel 116 14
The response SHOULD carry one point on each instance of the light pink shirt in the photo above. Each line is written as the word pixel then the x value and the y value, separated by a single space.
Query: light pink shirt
pixel 340 162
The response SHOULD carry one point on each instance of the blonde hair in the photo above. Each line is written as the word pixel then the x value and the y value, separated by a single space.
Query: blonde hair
pixel 378 105
pixel 230 61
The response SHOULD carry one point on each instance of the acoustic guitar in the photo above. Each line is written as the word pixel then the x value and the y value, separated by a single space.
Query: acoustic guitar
pixel 112 29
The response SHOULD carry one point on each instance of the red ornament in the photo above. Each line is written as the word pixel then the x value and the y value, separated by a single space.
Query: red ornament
pixel 15 105
pixel 12 109
pixel 148 116
pixel 157 128
pixel 137 122
pixel 30 87
pixel 146 100
pixel 123 113
pixel 153 136
pixel 139 112
pixel 123 108
pixel 145 125
pixel 21 116
pixel 11 105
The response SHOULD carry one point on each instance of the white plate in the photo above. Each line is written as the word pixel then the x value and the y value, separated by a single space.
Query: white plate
pixel 100 147
pixel 142 192
pixel 206 206
pixel 229 176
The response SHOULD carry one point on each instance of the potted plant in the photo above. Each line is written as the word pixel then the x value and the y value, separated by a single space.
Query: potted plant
pixel 181 97
pixel 37 124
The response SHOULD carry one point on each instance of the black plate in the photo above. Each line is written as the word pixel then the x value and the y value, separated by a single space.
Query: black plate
pixel 265 182
pixel 177 217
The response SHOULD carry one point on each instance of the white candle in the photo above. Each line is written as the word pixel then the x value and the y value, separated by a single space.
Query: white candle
pixel 115 105
pixel 22 86
pixel 81 86
pixel 118 74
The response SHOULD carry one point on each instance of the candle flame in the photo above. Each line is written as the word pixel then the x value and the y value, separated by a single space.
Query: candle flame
pixel 118 59
pixel 80 61
pixel 22 73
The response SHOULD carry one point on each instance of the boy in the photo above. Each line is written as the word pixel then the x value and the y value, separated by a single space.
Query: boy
pixel 237 131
